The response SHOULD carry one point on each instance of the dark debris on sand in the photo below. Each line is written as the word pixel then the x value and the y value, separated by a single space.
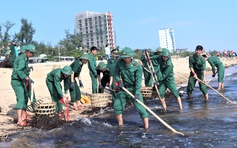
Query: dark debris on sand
pixel 46 122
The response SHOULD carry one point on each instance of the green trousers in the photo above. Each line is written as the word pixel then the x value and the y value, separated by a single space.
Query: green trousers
pixel 75 93
pixel 120 103
pixel 21 94
pixel 54 95
pixel 170 84
pixel 94 83
pixel 148 78
pixel 192 81
pixel 221 73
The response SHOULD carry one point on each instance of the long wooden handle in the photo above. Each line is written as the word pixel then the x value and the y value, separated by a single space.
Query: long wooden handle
pixel 157 117
pixel 211 88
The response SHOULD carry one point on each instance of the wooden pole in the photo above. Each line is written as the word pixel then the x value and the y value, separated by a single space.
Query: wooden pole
pixel 157 117
pixel 209 87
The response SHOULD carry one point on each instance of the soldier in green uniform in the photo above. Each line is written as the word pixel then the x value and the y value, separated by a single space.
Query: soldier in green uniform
pixel 216 62
pixel 74 90
pixel 197 65
pixel 128 74
pixel 92 68
pixel 19 81
pixel 53 82
pixel 111 66
pixel 104 81
pixel 165 76
pixel 146 73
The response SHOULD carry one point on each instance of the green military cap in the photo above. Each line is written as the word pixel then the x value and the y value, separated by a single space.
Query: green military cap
pixel 67 70
pixel 126 53
pixel 149 50
pixel 101 66
pixel 9 41
pixel 115 51
pixel 159 49
pixel 84 57
pixel 23 48
pixel 165 52
pixel 30 47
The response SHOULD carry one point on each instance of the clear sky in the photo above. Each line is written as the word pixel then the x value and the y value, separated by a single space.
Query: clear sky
pixel 211 23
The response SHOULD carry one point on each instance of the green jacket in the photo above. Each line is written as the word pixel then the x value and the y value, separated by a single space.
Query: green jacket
pixel 20 70
pixel 155 63
pixel 111 66
pixel 197 63
pixel 131 75
pixel 214 62
pixel 76 67
pixel 56 76
pixel 165 71
pixel 144 61
pixel 92 64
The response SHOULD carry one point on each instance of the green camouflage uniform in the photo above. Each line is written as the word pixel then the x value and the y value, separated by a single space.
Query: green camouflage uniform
pixel 76 92
pixel 216 62
pixel 199 65
pixel 93 72
pixel 53 82
pixel 165 75
pixel 131 77
pixel 18 81
pixel 111 66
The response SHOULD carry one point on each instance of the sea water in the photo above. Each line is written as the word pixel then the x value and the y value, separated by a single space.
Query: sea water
pixel 212 124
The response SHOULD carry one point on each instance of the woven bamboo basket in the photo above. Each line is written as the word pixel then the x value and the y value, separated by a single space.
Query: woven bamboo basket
pixel 146 93
pixel 100 100
pixel 46 109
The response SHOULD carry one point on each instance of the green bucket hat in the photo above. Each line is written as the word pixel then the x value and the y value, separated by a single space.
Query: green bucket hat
pixel 30 47
pixel 159 49
pixel 67 70
pixel 165 52
pixel 23 48
pixel 126 53
pixel 84 57
pixel 115 51
pixel 9 41
pixel 101 66
pixel 149 50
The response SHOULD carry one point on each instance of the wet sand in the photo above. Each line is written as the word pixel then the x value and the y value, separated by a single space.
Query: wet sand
pixel 8 101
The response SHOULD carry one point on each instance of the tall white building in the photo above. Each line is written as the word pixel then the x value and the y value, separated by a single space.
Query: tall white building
pixel 96 29
pixel 167 39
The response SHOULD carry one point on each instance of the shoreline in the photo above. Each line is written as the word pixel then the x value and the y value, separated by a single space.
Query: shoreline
pixel 8 101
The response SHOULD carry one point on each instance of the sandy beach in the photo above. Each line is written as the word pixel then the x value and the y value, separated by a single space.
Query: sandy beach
pixel 8 101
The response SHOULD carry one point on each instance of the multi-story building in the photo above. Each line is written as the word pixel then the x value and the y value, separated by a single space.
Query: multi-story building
pixel 96 29
pixel 167 39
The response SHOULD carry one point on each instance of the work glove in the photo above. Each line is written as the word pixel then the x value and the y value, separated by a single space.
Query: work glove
pixel 119 84
pixel 30 81
pixel 213 75
pixel 81 84
pixel 30 68
pixel 72 85
pixel 100 86
pixel 137 96
pixel 63 100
